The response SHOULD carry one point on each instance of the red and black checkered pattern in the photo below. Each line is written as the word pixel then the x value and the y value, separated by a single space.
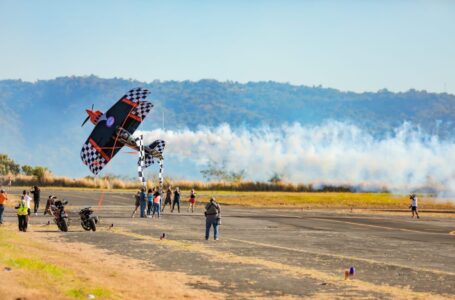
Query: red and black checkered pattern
pixel 92 158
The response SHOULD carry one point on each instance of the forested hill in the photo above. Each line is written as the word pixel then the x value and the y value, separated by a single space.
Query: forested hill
pixel 40 123
pixel 61 102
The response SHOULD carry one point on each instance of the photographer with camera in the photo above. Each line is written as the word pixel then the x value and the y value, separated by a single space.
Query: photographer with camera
pixel 212 218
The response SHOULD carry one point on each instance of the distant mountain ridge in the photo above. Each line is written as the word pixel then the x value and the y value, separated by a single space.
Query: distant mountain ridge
pixel 210 103
pixel 47 114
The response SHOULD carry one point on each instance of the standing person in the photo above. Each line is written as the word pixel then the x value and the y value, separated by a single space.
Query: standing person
pixel 156 204
pixel 192 200
pixel 212 218
pixel 22 213
pixel 137 203
pixel 176 200
pixel 3 199
pixel 142 202
pixel 168 199
pixel 149 201
pixel 50 201
pixel 27 200
pixel 36 198
pixel 413 206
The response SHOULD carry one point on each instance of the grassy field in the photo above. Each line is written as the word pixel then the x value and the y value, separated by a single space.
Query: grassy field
pixel 326 200
pixel 106 182
pixel 288 199
pixel 32 267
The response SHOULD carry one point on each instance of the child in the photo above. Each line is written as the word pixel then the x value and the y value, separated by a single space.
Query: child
pixel 192 200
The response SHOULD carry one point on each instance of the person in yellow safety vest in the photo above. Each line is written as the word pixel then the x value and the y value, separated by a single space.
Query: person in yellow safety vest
pixel 22 215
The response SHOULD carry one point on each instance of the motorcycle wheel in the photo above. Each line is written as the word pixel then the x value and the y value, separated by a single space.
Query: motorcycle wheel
pixel 63 225
pixel 92 224
pixel 86 226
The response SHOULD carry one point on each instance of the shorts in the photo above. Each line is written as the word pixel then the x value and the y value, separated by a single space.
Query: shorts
pixel 192 200
pixel 414 208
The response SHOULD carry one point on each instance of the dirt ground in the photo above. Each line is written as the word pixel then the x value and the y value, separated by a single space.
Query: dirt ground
pixel 262 253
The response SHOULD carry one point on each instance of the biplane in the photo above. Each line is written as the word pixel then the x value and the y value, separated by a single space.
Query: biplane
pixel 114 129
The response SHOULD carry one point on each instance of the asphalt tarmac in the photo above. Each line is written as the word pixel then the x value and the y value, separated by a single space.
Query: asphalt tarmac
pixel 277 252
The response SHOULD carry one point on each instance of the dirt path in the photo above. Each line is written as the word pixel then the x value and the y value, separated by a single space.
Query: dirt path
pixel 36 265
pixel 273 253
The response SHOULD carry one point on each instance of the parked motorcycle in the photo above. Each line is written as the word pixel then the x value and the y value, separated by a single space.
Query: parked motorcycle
pixel 60 216
pixel 88 219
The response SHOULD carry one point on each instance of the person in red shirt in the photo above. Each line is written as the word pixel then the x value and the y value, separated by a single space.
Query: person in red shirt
pixel 3 199
pixel 192 201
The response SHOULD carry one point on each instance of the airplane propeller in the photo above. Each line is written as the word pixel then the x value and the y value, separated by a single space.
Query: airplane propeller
pixel 88 117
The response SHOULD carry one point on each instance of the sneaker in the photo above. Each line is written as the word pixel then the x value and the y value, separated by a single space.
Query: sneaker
pixel 36 214
pixel 216 239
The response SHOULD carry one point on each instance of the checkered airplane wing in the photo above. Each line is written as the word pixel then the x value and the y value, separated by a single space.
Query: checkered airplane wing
pixel 93 157
pixel 103 143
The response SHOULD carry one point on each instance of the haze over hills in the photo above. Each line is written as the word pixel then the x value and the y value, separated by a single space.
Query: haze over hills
pixel 41 121
pixel 210 103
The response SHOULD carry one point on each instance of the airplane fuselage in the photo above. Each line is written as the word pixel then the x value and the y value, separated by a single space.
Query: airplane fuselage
pixel 126 138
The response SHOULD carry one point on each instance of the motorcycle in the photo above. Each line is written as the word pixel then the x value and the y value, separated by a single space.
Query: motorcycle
pixel 60 216
pixel 88 219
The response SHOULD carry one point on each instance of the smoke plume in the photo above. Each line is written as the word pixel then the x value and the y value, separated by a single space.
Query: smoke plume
pixel 333 153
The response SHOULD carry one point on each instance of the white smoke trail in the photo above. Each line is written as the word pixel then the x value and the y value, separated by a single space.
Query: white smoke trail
pixel 333 153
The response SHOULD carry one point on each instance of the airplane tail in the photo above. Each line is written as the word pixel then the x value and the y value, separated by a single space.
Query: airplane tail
pixel 157 148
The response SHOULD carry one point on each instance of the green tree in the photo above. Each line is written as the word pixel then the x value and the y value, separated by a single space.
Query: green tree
pixel 8 166
pixel 27 170
pixel 40 172
pixel 276 178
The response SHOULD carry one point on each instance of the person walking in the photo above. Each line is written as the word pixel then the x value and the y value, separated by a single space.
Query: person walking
pixel 36 199
pixel 3 199
pixel 137 201
pixel 168 199
pixel 156 204
pixel 192 201
pixel 149 202
pixel 22 213
pixel 212 218
pixel 413 206
pixel 142 202
pixel 176 200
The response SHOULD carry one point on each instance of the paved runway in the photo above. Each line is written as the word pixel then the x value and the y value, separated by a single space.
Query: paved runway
pixel 279 252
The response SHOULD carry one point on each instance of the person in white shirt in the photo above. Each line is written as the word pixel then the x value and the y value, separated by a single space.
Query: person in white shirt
pixel 413 205
pixel 27 199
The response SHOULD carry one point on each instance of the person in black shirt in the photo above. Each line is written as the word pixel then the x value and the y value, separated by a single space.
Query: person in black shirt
pixel 168 199
pixel 176 200
pixel 36 198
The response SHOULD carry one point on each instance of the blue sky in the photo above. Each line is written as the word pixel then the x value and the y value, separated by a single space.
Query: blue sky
pixel 349 45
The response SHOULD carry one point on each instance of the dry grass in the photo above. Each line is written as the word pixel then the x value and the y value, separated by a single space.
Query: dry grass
pixel 341 200
pixel 324 200
pixel 51 270
pixel 115 183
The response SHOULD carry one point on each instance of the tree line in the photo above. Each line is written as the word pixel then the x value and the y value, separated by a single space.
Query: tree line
pixel 9 167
